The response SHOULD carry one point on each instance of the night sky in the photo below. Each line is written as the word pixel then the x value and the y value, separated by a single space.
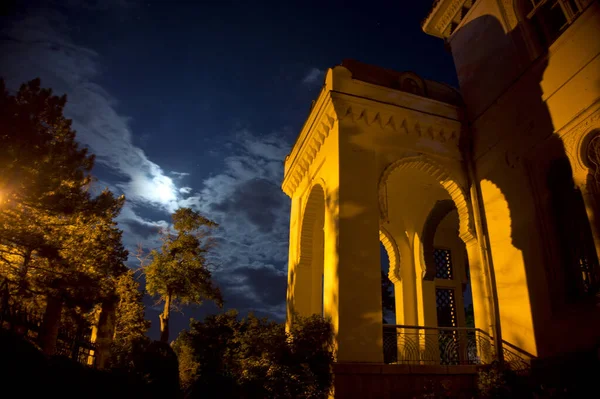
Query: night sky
pixel 197 103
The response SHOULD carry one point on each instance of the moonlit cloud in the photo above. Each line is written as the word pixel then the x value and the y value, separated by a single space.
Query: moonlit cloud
pixel 253 213
pixel 314 77
pixel 37 46
pixel 244 198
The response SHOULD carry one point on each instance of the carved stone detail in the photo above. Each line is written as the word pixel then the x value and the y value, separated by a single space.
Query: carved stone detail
pixel 575 138
pixel 449 15
pixel 456 192
pixel 387 121
pixel 393 254
pixel 316 138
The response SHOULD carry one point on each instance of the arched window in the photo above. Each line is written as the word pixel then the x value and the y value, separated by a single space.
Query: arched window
pixel 550 18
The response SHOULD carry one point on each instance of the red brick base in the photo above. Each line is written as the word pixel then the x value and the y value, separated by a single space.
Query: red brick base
pixel 383 381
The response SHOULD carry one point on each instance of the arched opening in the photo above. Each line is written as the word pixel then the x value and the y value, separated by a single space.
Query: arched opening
pixel 446 278
pixel 424 204
pixel 446 265
pixel 309 272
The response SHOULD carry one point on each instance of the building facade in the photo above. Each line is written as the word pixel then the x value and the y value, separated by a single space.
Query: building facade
pixel 494 190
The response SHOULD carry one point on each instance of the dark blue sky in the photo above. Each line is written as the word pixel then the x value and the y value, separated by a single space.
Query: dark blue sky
pixel 196 103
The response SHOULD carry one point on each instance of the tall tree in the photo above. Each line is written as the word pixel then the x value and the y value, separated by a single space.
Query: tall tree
pixel 43 174
pixel 178 272
pixel 57 240
pixel 130 322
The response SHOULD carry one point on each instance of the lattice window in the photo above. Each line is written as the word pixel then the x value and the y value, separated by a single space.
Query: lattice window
pixel 443 263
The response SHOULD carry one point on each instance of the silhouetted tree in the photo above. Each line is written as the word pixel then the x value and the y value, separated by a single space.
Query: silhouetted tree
pixel 178 272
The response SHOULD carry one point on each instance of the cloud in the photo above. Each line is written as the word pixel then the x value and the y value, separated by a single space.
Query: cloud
pixel 245 198
pixel 314 77
pixel 38 46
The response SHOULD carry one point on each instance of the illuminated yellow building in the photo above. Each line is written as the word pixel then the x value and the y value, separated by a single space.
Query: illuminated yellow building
pixel 494 188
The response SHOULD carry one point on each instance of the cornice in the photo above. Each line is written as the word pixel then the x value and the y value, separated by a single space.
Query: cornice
pixel 315 137
pixel 396 119
pixel 334 107
pixel 443 13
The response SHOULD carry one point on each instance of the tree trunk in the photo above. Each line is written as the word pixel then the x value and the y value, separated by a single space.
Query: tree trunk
pixel 102 334
pixel 50 325
pixel 164 320
pixel 23 271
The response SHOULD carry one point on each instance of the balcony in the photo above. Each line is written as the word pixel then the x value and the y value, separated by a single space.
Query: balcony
pixel 446 346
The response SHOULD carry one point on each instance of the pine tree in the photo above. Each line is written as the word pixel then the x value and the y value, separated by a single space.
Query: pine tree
pixel 130 322
pixel 57 241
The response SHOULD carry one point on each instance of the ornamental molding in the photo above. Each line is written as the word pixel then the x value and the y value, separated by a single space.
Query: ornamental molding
pixel 396 119
pixel 448 182
pixel 393 254
pixel 576 137
pixel 449 15
pixel 443 13
pixel 308 151
pixel 442 130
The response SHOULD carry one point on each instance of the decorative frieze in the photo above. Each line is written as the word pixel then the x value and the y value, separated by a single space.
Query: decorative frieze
pixel 395 122
pixel 438 129
pixel 310 148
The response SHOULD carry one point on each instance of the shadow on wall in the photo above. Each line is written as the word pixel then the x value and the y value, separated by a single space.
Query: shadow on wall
pixel 534 213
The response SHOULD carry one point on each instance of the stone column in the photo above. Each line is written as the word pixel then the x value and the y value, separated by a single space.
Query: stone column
pixel 482 301
pixel 359 271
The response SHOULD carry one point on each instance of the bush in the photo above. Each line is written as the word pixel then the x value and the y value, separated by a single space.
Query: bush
pixel 255 358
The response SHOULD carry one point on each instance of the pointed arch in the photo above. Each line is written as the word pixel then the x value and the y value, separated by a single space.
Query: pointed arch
pixel 448 182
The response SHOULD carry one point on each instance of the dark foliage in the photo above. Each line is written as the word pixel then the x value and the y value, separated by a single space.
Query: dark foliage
pixel 255 358
pixel 30 373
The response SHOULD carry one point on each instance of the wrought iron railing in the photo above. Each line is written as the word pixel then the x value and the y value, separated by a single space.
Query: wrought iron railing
pixel 448 346
pixel 73 343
